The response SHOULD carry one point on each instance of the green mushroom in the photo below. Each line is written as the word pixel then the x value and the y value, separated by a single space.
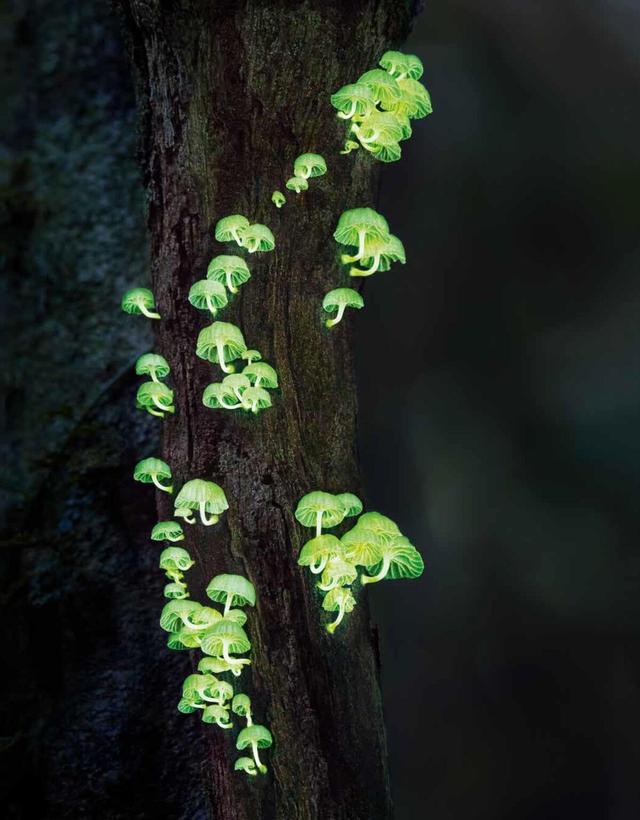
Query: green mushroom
pixel 167 531
pixel 231 590
pixel 221 692
pixel 354 100
pixel 384 88
pixel 318 509
pixel 399 559
pixel 318 551
pixel 231 228
pixel 362 547
pixel 278 199
pixel 351 504
pixel 337 573
pixel 297 184
pixel 401 66
pixel 230 271
pixel 237 383
pixel 212 666
pixel 256 399
pixel 154 365
pixel 380 128
pixel 357 227
pixel 221 343
pixel 175 591
pixel 258 238
pixel 380 255
pixel 176 613
pixel 218 715
pixel 257 737
pixel 220 396
pixel 251 356
pixel 307 166
pixel 186 515
pixel 382 526
pixel 174 641
pixel 208 294
pixel 140 300
pixel 223 638
pixel 151 471
pixel 175 560
pixel 415 101
pixel 241 706
pixel 388 152
pixel 197 688
pixel 338 600
pixel 349 146
pixel 340 299
pixel 261 374
pixel 246 765
pixel 206 497
pixel 156 398
pixel 237 616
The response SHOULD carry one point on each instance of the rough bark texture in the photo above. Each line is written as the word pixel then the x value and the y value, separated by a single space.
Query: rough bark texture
pixel 231 93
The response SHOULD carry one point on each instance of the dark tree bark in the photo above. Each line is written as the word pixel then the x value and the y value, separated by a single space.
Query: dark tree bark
pixel 230 94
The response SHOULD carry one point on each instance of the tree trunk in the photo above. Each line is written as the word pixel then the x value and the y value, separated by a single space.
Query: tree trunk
pixel 230 94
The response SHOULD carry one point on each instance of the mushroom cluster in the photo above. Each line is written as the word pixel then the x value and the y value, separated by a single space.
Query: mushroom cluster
pixel 154 396
pixel 252 237
pixel 379 107
pixel 375 544
pixel 305 167
pixel 248 390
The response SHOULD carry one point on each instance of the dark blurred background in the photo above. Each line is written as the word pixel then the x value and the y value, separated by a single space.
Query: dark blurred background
pixel 499 409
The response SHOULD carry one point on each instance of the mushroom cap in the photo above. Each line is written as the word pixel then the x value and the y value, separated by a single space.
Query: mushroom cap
pixel 361 546
pixel 237 616
pixel 198 491
pixel 209 289
pixel 382 526
pixel 390 249
pixel 252 355
pixel 342 296
pixel 383 86
pixel 133 298
pixel 384 125
pixel 189 638
pixel 318 501
pixel 174 641
pixel 258 395
pixel 297 184
pixel 388 152
pixel 214 394
pixel 196 685
pixel 263 371
pixel 278 199
pixel 225 632
pixel 354 93
pixel 174 613
pixel 245 764
pixel 395 63
pixel 167 531
pixel 175 591
pixel 350 502
pixel 212 666
pixel 339 570
pixel 184 705
pixel 225 334
pixel 337 596
pixel 236 381
pixel 415 100
pixel 353 221
pixel 221 690
pixel 205 617
pixel 259 236
pixel 148 391
pixel 224 264
pixel 150 363
pixel 175 558
pixel 257 734
pixel 240 589
pixel 405 124
pixel 149 467
pixel 215 714
pixel 406 561
pixel 324 546
pixel 224 227
pixel 241 704
pixel 309 165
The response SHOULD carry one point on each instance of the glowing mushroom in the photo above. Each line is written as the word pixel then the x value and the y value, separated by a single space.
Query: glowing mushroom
pixel 167 531
pixel 208 294
pixel 246 765
pixel 230 271
pixel 231 590
pixel 401 65
pixel 384 88
pixel 140 300
pixel 258 238
pixel 339 300
pixel 356 227
pixel 221 343
pixel 318 551
pixel 340 600
pixel 206 497
pixel 380 254
pixel 297 184
pixel 224 638
pixel 318 509
pixel 261 374
pixel 256 737
pixel 154 365
pixel 399 559
pixel 152 471
pixel 353 100
pixel 156 398
pixel 231 228
pixel 278 199
pixel 307 166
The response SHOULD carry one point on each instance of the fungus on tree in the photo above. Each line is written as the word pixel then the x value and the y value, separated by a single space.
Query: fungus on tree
pixel 415 101
pixel 401 66
pixel 231 228
pixel 208 294
pixel 337 573
pixel 356 227
pixel 383 86
pixel 339 300
pixel 152 471
pixel 224 638
pixel 319 509
pixel 175 560
pixel 257 737
pixel 261 374
pixel 278 199
pixel 220 395
pixel 251 356
pixel 380 254
pixel 258 238
pixel 230 271
pixel 297 184
pixel 154 365
pixel 318 551
pixel 241 705
pixel 167 531
pixel 156 398
pixel 206 497
pixel 221 343
pixel 231 590
pixel 353 100
pixel 351 503
pixel 256 399
pixel 246 765
pixel 399 559
pixel 340 600
pixel 218 715
pixel 141 301
pixel 307 166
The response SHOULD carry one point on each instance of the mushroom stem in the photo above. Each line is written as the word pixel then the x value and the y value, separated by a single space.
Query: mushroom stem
pixel 231 406
pixel 230 283
pixel 372 579
pixel 348 114
pixel 328 587
pixel 227 605
pixel 368 271
pixel 236 236
pixel 224 725
pixel 208 522
pixel 256 757
pixel 160 486
pixel 154 377
pixel 155 412
pixel 335 624
pixel 316 569
pixel 212 308
pixel 318 523
pixel 148 313
pixel 235 664
pixel 338 316
pixel 225 368
pixel 167 408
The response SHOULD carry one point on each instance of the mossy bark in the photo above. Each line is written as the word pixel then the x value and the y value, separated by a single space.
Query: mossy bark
pixel 230 94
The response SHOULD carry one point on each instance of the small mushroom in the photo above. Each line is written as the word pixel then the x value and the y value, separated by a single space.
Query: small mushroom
pixel 220 395
pixel 175 560
pixel 241 705
pixel 338 600
pixel 221 343
pixel 154 365
pixel 231 590
pixel 218 715
pixel 278 199
pixel 140 300
pixel 297 184
pixel 318 551
pixel 151 471
pixel 167 531
pixel 340 299
pixel 358 225
pixel 257 737
pixel 206 497
pixel 246 765
pixel 400 559
pixel 256 399
pixel 337 573
pixel 351 504
pixel 384 88
pixel 380 254
pixel 230 271
pixel 156 398
pixel 258 238
pixel 415 101
pixel 175 591
pixel 208 294
pixel 223 638
pixel 401 66
pixel 261 374
pixel 319 509
pixel 307 166
pixel 353 100
pixel 231 228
